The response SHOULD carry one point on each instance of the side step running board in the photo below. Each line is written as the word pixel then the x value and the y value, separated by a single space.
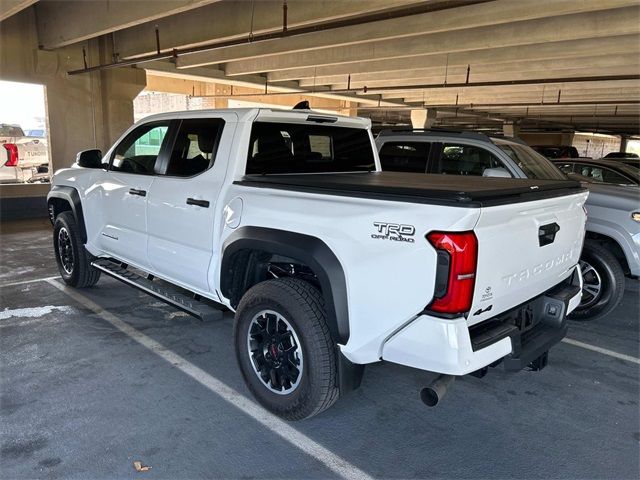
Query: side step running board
pixel 168 294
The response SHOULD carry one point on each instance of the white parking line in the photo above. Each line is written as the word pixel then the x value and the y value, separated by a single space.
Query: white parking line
pixel 281 428
pixel 24 282
pixel 601 350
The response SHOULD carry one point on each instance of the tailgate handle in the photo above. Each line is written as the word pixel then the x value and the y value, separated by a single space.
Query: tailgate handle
pixel 547 233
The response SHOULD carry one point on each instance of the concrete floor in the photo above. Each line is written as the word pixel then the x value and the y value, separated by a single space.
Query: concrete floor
pixel 82 399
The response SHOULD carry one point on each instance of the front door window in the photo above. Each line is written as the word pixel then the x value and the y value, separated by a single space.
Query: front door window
pixel 139 151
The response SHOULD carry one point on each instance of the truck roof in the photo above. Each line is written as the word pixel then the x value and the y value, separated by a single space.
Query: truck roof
pixel 249 114
pixel 450 133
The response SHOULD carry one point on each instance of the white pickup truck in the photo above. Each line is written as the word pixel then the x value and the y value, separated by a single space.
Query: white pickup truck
pixel 23 159
pixel 329 264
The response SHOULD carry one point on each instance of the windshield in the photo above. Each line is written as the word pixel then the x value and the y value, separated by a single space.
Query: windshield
pixel 531 162
pixel 277 148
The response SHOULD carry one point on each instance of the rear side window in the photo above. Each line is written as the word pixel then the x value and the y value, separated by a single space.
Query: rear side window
pixel 139 150
pixel 405 156
pixel 457 159
pixel 195 147
pixel 601 174
pixel 302 148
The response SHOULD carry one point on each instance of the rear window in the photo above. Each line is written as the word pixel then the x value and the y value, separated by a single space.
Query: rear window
pixel 458 159
pixel 405 156
pixel 531 162
pixel 301 148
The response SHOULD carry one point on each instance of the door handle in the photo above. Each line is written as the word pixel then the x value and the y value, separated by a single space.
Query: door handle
pixel 199 203
pixel 135 191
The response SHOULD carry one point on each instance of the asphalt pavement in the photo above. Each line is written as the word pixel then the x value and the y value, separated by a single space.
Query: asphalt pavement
pixel 92 381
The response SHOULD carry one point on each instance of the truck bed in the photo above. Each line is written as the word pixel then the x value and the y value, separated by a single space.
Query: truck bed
pixel 451 190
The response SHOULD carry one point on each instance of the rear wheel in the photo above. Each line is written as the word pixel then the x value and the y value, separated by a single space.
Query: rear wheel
pixel 603 283
pixel 74 262
pixel 285 350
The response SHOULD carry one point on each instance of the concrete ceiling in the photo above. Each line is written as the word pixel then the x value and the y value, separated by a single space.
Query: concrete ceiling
pixel 541 63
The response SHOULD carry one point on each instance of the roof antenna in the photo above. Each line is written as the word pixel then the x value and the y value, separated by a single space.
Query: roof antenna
pixel 303 105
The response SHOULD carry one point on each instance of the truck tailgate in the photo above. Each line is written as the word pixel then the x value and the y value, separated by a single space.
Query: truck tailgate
pixel 524 249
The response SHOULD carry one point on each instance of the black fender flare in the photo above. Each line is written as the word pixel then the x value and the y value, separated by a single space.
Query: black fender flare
pixel 309 250
pixel 72 197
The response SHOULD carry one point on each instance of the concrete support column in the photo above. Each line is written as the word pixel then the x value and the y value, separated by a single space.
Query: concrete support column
pixel 624 140
pixel 83 111
pixel 511 129
pixel 566 138
pixel 423 118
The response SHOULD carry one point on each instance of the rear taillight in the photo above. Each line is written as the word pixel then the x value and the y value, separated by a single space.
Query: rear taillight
pixel 12 150
pixel 455 272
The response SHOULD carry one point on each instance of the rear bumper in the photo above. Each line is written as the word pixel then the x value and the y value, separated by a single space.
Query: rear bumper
pixel 516 337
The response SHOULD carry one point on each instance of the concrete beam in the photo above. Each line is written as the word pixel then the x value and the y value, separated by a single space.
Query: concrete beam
pixel 460 78
pixel 209 94
pixel 605 111
pixel 11 7
pixel 232 19
pixel 484 14
pixel 213 73
pixel 256 81
pixel 622 21
pixel 528 98
pixel 629 62
pixel 490 57
pixel 547 93
pixel 486 103
pixel 521 98
pixel 64 22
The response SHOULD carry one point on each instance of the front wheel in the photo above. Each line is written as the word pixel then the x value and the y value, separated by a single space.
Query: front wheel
pixel 603 283
pixel 285 350
pixel 74 262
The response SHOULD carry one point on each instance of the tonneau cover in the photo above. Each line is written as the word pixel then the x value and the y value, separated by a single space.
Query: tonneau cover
pixel 457 190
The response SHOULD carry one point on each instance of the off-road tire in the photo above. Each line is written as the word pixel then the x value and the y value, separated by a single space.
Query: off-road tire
pixel 612 282
pixel 302 305
pixel 82 274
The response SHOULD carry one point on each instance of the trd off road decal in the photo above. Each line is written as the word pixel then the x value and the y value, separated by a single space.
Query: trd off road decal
pixel 394 232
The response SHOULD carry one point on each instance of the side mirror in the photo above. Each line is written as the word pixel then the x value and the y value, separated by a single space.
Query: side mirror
pixel 89 158
pixel 496 173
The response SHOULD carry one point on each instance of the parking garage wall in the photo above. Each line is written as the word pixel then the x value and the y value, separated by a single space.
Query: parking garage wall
pixel 594 145
pixel 84 111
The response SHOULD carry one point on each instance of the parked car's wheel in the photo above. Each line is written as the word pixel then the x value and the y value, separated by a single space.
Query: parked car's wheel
pixel 603 283
pixel 74 262
pixel 285 350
